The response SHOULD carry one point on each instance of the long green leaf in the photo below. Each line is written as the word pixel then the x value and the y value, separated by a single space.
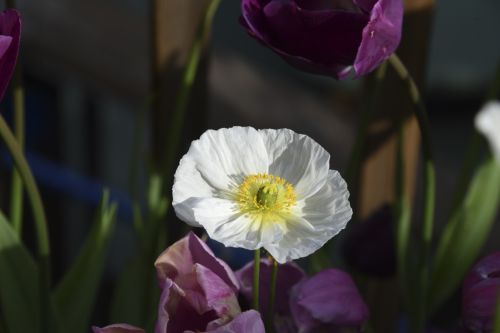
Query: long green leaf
pixel 465 233
pixel 19 284
pixel 76 294
pixel 136 295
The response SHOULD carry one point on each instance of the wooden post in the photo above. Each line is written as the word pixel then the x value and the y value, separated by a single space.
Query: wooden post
pixel 173 26
pixel 378 170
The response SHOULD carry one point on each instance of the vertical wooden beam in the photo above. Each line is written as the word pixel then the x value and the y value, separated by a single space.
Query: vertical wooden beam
pixel 173 26
pixel 378 170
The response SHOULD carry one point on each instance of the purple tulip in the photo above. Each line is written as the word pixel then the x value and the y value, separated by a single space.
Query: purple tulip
pixel 369 247
pixel 289 275
pixel 199 290
pixel 480 293
pixel 10 32
pixel 328 302
pixel 117 328
pixel 329 37
pixel 198 294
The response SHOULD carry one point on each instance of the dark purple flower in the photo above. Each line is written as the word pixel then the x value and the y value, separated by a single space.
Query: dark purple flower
pixel 329 37
pixel 10 32
pixel 370 247
pixel 328 302
pixel 480 294
pixel 289 274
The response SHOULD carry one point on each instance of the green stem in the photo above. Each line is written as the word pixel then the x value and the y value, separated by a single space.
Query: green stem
pixel 256 278
pixel 31 188
pixel 496 326
pixel 402 213
pixel 188 78
pixel 358 151
pixel 272 298
pixel 16 204
pixel 429 189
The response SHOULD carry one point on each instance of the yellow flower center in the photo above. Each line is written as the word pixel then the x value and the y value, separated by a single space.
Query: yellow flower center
pixel 265 195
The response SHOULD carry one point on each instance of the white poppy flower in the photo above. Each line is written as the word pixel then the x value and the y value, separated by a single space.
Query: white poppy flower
pixel 488 123
pixel 269 189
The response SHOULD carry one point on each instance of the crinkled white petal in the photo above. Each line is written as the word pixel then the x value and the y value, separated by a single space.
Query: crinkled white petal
pixel 224 223
pixel 488 123
pixel 318 218
pixel 214 165
pixel 298 159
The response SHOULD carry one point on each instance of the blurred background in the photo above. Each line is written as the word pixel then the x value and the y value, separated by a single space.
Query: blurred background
pixel 87 71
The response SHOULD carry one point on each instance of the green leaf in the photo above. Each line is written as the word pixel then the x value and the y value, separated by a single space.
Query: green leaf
pixel 19 284
pixel 76 294
pixel 136 296
pixel 465 233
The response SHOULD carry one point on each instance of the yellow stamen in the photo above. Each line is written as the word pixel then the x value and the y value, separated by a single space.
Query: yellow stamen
pixel 265 196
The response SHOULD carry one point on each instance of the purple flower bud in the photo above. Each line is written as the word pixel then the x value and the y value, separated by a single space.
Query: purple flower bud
pixel 480 294
pixel 369 247
pixel 329 302
pixel 10 32
pixel 327 37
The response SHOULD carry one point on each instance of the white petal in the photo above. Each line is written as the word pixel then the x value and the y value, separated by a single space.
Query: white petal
pixel 189 186
pixel 214 164
pixel 224 157
pixel 488 123
pixel 320 217
pixel 298 159
pixel 225 224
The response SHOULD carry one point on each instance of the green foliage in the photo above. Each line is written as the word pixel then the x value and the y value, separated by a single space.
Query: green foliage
pixel 75 295
pixel 465 233
pixel 137 294
pixel 20 299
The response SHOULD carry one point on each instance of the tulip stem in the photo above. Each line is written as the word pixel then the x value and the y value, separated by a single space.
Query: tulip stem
pixel 429 190
pixel 256 278
pixel 31 188
pixel 16 204
pixel 496 325
pixel 188 78
pixel 272 297
pixel 358 150
pixel 403 215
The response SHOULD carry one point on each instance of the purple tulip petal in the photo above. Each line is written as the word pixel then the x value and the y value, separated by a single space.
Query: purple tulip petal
pixel 289 275
pixel 329 38
pixel 328 299
pixel 218 295
pixel 179 259
pixel 246 322
pixel 117 328
pixel 481 290
pixel 10 32
pixel 176 314
pixel 381 36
